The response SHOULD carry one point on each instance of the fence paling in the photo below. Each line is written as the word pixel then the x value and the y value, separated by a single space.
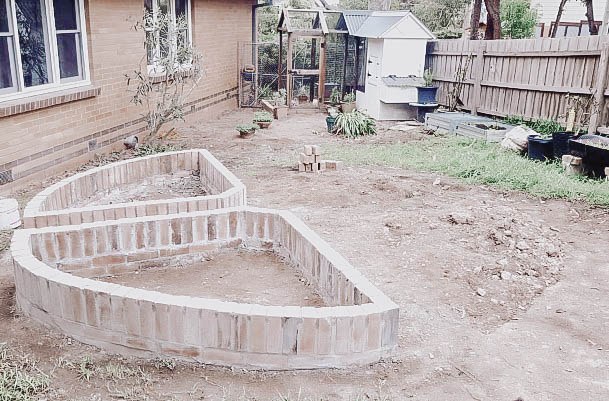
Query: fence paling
pixel 528 77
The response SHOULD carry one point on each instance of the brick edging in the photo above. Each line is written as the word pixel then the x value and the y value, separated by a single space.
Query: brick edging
pixel 51 207
pixel 361 328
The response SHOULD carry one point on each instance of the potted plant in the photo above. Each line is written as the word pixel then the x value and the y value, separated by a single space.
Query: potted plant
pixel 303 94
pixel 354 124
pixel 248 73
pixel 348 104
pixel 427 94
pixel 335 97
pixel 263 119
pixel 246 130
pixel 541 146
pixel 331 119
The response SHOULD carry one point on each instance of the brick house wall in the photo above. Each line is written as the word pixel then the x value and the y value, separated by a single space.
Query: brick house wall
pixel 39 143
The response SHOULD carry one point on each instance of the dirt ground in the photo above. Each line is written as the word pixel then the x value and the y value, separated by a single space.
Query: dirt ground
pixel 237 275
pixel 501 295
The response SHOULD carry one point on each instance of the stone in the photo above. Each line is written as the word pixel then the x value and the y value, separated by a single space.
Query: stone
pixel 505 275
pixel 522 246
pixel 308 150
pixel 481 292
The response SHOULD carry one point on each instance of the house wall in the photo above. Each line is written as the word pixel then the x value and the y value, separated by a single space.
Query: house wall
pixel 574 11
pixel 42 142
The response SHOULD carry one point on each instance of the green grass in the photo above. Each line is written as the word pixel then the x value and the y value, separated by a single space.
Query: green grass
pixel 20 379
pixel 477 162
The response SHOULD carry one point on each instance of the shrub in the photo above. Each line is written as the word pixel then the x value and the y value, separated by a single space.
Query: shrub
pixel 354 124
pixel 263 117
pixel 247 127
pixel 518 20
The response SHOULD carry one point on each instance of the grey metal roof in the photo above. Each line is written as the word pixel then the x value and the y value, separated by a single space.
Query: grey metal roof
pixel 376 25
pixel 355 19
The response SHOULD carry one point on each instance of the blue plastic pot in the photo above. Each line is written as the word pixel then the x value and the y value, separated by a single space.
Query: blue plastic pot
pixel 426 94
pixel 330 121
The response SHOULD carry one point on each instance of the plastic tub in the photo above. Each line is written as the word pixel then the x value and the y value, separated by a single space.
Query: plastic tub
pixel 561 143
pixel 540 148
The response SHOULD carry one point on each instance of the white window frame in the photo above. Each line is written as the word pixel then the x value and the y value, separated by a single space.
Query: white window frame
pixel 20 91
pixel 154 69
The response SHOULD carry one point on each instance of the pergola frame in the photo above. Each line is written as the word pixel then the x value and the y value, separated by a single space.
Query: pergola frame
pixel 318 31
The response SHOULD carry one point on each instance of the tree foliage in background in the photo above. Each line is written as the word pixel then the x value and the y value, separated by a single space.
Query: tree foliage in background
pixel 443 17
pixel 518 19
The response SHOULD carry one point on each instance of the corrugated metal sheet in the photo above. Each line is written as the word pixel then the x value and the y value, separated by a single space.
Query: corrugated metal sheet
pixel 394 81
pixel 355 19
pixel 376 25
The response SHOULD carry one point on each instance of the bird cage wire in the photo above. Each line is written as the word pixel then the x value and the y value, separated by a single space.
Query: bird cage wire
pixel 259 74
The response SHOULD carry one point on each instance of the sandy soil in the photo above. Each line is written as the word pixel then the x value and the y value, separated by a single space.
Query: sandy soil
pixel 502 295
pixel 237 275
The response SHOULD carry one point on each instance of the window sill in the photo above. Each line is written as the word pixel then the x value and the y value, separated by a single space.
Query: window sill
pixel 36 102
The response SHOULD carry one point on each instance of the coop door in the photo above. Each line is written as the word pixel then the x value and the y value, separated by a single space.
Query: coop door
pixel 374 70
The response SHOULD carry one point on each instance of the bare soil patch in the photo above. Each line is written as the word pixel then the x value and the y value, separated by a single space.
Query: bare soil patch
pixel 430 243
pixel 180 184
pixel 238 275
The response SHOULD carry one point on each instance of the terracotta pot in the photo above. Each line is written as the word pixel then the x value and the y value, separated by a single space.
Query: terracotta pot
pixel 263 124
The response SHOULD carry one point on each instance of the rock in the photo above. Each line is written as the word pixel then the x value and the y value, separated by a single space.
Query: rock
pixel 502 262
pixel 505 275
pixel 551 251
pixel 481 292
pixel 131 142
pixel 522 246
pixel 459 218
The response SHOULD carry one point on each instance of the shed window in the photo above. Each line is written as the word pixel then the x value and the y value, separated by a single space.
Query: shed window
pixel 41 46
pixel 168 28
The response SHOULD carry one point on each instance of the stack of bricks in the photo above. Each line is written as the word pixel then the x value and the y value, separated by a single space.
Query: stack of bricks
pixel 310 160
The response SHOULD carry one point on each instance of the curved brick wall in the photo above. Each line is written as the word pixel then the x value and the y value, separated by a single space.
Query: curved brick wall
pixel 360 326
pixel 53 206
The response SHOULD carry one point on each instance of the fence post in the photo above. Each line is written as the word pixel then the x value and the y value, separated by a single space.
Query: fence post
pixel 478 73
pixel 601 84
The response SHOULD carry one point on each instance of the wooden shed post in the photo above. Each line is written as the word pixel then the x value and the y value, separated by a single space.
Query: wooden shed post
pixel 322 71
pixel 478 75
pixel 288 83
pixel 601 85
pixel 280 63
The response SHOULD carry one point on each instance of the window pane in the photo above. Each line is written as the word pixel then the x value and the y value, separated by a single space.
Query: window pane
pixel 33 42
pixel 4 13
pixel 6 64
pixel 68 47
pixel 65 15
pixel 181 8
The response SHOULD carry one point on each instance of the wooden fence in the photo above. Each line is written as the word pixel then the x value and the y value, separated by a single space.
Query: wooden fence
pixel 525 77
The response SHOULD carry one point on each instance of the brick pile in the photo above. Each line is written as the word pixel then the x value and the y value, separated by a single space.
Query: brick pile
pixel 310 160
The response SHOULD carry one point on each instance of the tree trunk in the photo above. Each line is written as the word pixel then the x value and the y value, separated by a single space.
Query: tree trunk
pixel 590 15
pixel 561 7
pixel 475 20
pixel 493 20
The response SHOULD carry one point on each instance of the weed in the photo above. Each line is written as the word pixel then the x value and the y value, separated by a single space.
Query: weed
pixel 20 379
pixel 169 364
pixel 354 124
pixel 5 239
pixel 153 149
pixel 86 370
pixel 479 163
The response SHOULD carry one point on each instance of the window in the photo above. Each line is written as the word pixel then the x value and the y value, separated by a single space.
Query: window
pixel 42 46
pixel 167 30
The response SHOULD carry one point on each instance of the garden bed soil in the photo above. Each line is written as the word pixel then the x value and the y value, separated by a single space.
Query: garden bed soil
pixel 501 295
pixel 236 275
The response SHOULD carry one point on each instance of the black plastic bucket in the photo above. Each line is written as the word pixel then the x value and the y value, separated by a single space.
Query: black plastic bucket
pixel 540 148
pixel 330 123
pixel 561 143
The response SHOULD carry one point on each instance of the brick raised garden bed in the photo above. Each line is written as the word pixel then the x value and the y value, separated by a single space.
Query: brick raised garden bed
pixel 360 325
pixel 56 204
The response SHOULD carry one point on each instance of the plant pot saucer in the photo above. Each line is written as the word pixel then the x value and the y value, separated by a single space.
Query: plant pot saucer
pixel 246 134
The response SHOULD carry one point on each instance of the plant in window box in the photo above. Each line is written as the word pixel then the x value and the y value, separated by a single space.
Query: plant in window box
pixel 427 94
pixel 348 104
pixel 247 130
pixel 263 119
pixel 170 71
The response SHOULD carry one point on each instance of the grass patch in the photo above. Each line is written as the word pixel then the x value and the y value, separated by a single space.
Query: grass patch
pixel 20 379
pixel 478 162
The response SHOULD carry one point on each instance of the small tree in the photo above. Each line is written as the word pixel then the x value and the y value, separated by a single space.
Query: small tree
pixel 518 20
pixel 168 73
pixel 443 17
